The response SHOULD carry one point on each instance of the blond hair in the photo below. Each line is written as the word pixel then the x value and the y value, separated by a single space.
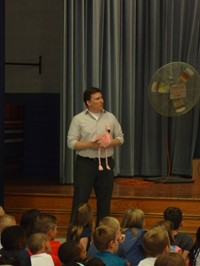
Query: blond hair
pixel 6 221
pixel 155 241
pixel 83 217
pixel 103 235
pixel 36 241
pixel 170 259
pixel 132 219
pixel 111 222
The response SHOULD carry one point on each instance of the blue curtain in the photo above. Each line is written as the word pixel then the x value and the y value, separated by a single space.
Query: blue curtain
pixel 117 45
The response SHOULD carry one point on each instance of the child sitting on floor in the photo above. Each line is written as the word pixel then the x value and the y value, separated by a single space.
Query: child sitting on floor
pixel 170 259
pixel 47 223
pixel 72 253
pixel 13 240
pixel 40 248
pixel 155 242
pixel 106 240
pixel 82 226
pixel 132 225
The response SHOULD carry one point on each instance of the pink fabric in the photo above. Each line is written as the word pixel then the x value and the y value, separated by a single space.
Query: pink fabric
pixel 104 140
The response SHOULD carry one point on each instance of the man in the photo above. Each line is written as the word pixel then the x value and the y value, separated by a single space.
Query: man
pixel 83 138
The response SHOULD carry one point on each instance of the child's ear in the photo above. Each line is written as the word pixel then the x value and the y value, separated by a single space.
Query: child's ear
pixel 47 247
pixel 167 249
pixel 111 244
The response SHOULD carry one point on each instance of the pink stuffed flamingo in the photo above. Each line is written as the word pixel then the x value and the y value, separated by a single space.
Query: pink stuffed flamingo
pixel 104 140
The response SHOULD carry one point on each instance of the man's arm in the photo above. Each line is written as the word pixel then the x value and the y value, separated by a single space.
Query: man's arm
pixel 82 145
pixel 115 142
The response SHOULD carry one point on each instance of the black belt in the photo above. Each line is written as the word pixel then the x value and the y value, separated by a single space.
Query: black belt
pixel 91 159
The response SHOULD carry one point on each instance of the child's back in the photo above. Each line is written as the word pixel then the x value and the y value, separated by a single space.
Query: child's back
pixel 81 227
pixel 132 226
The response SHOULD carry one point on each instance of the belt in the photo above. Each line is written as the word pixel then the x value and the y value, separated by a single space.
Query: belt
pixel 91 159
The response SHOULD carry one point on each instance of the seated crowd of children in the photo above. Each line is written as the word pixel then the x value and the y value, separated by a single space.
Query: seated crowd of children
pixel 33 242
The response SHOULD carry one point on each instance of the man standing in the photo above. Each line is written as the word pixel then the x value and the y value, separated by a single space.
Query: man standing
pixel 83 138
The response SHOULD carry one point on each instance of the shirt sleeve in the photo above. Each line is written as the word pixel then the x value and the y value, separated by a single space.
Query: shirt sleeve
pixel 73 134
pixel 118 131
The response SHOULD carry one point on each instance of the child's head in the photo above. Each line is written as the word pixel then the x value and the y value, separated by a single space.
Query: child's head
pixel 13 238
pixel 166 225
pixel 71 251
pixel 106 238
pixel 194 252
pixel 27 220
pixel 47 224
pixel 155 242
pixel 95 262
pixel 174 215
pixel 133 218
pixel 113 223
pixel 83 215
pixel 170 259
pixel 2 212
pixel 6 221
pixel 39 243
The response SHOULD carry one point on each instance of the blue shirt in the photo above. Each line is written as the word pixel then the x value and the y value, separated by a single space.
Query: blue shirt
pixel 111 259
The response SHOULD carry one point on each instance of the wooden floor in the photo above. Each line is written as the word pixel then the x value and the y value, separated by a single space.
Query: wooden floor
pixel 151 197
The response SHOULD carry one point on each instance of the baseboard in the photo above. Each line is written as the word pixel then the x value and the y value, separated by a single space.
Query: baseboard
pixel 196 168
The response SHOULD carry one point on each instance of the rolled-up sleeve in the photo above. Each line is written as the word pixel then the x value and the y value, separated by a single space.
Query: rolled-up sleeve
pixel 73 134
pixel 118 131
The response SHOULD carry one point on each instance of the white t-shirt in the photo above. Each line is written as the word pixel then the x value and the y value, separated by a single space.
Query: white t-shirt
pixel 41 260
pixel 198 260
pixel 147 262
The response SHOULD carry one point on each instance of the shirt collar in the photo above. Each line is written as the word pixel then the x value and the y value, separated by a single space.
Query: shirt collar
pixel 87 111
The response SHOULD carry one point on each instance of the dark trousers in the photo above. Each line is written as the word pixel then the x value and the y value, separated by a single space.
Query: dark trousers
pixel 88 177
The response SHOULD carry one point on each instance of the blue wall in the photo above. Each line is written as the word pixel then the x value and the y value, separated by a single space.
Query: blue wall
pixel 2 85
pixel 41 134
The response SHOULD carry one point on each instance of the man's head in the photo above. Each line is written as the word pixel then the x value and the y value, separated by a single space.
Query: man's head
pixel 174 215
pixel 93 99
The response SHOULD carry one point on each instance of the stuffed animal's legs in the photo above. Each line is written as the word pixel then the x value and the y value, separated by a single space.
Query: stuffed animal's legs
pixel 99 157
pixel 107 166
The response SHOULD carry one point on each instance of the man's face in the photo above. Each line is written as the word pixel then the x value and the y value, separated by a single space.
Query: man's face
pixel 95 104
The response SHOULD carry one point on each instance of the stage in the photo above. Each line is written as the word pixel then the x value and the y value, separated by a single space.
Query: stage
pixel 128 192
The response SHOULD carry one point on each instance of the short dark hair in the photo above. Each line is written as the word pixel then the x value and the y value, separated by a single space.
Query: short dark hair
pixel 13 237
pixel 88 92
pixel 174 215
pixel 95 261
pixel 69 251
pixel 44 222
